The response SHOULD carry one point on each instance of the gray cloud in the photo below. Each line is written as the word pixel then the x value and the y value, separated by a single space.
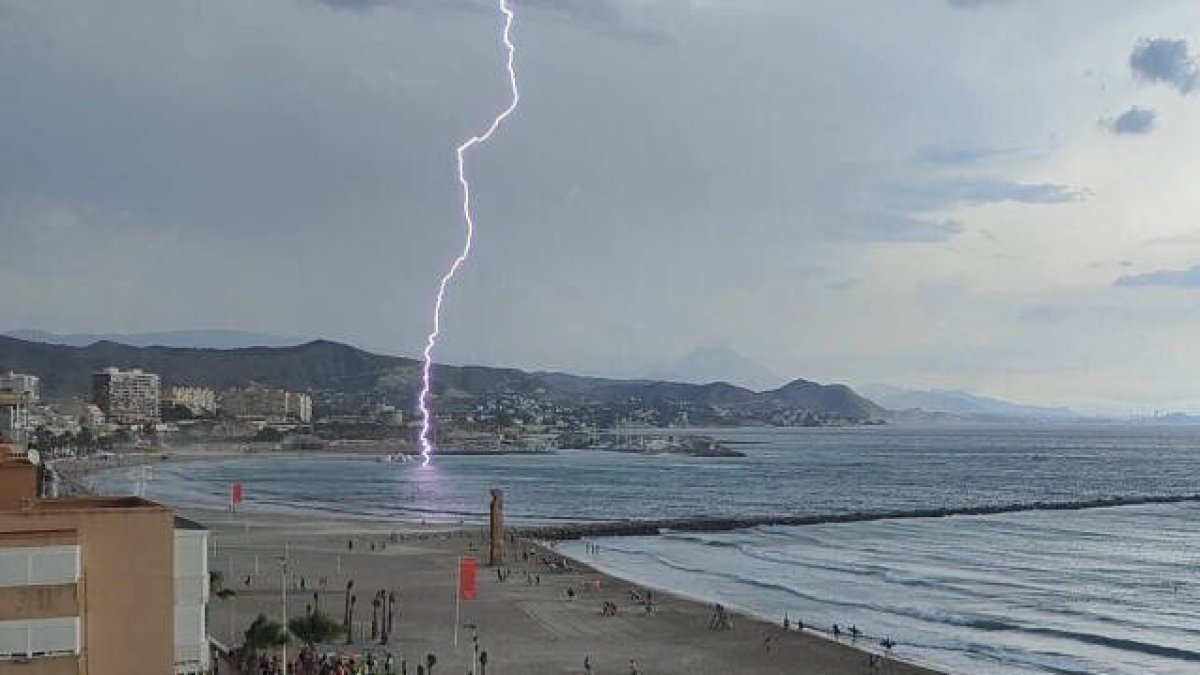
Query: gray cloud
pixel 976 4
pixel 844 284
pixel 991 190
pixel 287 166
pixel 1165 60
pixel 428 6
pixel 957 156
pixel 1189 278
pixel 1135 121
pixel 605 16
pixel 933 195
pixel 899 229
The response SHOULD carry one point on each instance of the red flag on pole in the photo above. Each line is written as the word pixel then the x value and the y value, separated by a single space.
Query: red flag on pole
pixel 235 496
pixel 467 567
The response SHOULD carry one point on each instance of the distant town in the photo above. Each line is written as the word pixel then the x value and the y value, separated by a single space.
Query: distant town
pixel 131 410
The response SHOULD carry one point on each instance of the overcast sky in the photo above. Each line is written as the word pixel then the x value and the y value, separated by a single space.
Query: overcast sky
pixel 993 195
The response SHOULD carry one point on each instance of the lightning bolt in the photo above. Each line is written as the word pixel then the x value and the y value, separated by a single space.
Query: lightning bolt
pixel 427 446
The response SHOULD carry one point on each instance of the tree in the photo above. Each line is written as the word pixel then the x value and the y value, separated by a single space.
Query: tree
pixel 262 634
pixel 315 628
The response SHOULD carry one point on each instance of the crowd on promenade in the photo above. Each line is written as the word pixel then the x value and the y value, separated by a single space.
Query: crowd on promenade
pixel 532 561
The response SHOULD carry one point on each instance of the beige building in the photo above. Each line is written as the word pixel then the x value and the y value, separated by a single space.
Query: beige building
pixel 97 585
pixel 127 396
pixel 272 405
pixel 199 400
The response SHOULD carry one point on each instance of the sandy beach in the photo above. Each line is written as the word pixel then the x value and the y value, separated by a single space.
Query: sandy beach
pixel 524 627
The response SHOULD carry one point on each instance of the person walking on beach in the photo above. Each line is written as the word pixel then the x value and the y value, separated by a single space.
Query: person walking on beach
pixel 587 664
pixel 633 668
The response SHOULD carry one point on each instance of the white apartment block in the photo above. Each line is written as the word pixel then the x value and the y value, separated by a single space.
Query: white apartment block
pixel 21 384
pixel 200 400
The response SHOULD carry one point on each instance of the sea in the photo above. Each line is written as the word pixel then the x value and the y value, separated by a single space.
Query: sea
pixel 1103 590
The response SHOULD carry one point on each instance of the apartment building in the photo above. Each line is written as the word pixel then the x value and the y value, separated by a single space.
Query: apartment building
pixel 272 405
pixel 14 419
pixel 127 396
pixel 97 585
pixel 199 400
pixel 21 384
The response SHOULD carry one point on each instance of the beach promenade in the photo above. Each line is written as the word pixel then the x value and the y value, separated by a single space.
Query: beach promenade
pixel 528 624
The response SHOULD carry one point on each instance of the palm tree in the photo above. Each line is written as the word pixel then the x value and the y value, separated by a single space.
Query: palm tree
pixel 391 610
pixel 262 634
pixel 216 585
pixel 350 620
pixel 346 615
pixel 316 627
pixel 375 615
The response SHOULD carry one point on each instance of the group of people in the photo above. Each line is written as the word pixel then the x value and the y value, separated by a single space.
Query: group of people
pixel 312 663
pixel 719 618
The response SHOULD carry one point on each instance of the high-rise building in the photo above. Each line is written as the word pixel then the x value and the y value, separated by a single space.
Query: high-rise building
pixel 11 382
pixel 138 611
pixel 127 396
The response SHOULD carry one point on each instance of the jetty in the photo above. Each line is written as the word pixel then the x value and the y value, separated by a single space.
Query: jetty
pixel 655 526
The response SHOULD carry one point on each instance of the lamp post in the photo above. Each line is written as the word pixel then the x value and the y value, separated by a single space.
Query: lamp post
pixel 283 609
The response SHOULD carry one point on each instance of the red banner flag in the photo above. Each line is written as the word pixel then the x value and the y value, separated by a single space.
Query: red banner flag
pixel 467 567
pixel 236 497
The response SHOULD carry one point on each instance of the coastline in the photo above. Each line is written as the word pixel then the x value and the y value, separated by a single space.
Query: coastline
pixel 526 628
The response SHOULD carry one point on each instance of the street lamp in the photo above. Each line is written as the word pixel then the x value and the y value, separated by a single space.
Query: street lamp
pixel 283 597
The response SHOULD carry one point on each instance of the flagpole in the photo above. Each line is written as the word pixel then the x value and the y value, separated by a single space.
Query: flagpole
pixel 457 598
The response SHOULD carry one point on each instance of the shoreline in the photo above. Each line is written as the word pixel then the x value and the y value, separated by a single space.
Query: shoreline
pixel 541 630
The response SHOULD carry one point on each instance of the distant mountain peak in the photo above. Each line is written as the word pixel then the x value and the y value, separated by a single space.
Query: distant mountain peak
pixel 719 363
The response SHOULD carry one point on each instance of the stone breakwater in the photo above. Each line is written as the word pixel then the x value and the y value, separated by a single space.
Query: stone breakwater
pixel 650 527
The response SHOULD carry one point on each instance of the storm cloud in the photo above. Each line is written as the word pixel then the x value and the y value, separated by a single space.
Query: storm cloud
pixel 675 173
pixel 1165 61
pixel 1135 121
pixel 1189 278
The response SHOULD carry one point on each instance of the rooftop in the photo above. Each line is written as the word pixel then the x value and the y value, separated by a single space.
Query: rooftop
pixel 93 503
pixel 182 523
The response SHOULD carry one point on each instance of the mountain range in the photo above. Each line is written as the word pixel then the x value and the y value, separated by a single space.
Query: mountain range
pixel 961 403
pixel 354 376
pixel 206 338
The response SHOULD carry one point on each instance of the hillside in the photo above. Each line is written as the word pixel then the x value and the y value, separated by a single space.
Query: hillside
pixel 352 376
pixel 962 403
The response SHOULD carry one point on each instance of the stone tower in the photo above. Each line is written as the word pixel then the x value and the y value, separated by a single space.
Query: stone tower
pixel 496 550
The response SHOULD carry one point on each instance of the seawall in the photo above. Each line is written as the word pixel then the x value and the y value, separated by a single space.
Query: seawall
pixel 634 528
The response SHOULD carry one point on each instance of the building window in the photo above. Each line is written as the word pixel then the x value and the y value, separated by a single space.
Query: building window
pixel 39 566
pixel 31 638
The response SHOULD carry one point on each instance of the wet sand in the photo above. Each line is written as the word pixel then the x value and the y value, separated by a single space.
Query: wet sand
pixel 526 629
